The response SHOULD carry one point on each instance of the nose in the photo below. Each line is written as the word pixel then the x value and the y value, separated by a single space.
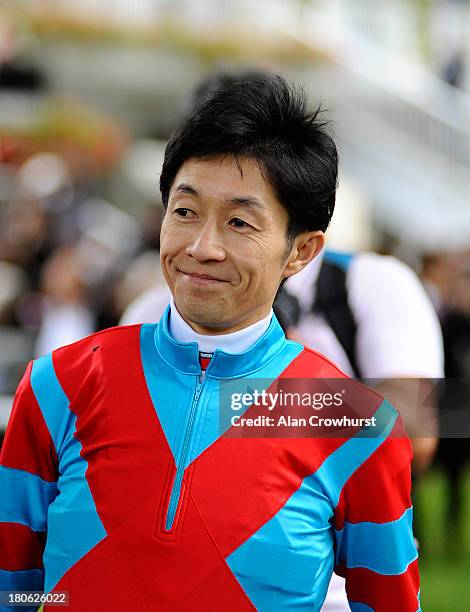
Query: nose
pixel 206 244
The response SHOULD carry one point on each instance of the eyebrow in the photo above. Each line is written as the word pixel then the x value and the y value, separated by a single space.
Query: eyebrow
pixel 185 188
pixel 248 201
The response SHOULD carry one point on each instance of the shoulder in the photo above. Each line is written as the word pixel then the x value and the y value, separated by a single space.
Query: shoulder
pixel 398 333
pixel 367 266
pixel 111 338
pixel 321 363
pixel 313 364
pixel 66 369
pixel 379 285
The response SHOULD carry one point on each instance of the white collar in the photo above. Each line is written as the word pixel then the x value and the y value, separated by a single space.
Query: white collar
pixel 235 342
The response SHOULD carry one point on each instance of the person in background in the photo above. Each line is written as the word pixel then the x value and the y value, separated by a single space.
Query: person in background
pixel 370 314
pixel 446 277
pixel 67 316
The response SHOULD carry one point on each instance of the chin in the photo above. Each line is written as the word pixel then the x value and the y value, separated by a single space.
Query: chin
pixel 198 312
pixel 211 321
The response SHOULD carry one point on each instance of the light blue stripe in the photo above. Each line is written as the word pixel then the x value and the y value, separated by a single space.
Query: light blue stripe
pixel 341 259
pixel 338 467
pixel 51 399
pixel 22 580
pixel 25 498
pixel 170 390
pixel 384 548
pixel 73 524
pixel 287 563
pixel 357 606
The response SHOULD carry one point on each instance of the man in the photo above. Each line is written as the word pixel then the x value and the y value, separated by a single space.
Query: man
pixel 370 314
pixel 152 501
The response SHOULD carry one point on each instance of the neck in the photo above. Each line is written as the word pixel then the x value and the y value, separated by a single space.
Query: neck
pixel 230 329
pixel 232 340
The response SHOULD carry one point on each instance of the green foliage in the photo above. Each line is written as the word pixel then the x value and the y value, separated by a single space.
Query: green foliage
pixel 445 558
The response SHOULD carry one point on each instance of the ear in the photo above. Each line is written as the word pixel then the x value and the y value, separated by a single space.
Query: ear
pixel 305 248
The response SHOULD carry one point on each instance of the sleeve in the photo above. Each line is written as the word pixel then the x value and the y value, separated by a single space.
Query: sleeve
pixel 375 549
pixel 398 332
pixel 28 484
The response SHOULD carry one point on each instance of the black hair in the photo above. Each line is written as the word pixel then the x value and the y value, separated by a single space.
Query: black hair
pixel 265 119
pixel 218 80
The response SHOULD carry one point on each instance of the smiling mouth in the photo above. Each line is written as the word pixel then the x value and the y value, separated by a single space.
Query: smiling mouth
pixel 202 278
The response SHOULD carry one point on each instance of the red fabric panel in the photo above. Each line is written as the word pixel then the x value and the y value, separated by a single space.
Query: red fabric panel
pixel 382 593
pixel 122 441
pixel 20 547
pixel 183 573
pixel 379 490
pixel 28 445
pixel 99 581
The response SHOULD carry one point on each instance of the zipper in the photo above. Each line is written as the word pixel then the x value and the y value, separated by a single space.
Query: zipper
pixel 176 490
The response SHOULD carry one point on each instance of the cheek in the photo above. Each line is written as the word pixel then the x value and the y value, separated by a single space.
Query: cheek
pixel 164 241
pixel 172 241
pixel 262 262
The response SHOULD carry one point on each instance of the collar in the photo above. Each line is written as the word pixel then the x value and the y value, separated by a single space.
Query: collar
pixel 184 356
pixel 235 342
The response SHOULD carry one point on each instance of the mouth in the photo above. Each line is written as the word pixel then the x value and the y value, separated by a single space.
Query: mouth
pixel 201 279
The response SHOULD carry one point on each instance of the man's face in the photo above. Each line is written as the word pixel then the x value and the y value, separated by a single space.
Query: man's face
pixel 222 244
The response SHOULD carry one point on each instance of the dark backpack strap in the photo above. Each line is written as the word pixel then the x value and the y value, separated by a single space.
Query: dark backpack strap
pixel 286 308
pixel 331 300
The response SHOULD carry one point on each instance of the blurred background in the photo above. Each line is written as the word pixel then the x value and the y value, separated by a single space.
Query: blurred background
pixel 91 90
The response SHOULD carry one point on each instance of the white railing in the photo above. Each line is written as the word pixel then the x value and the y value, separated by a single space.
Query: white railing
pixel 404 94
pixel 401 93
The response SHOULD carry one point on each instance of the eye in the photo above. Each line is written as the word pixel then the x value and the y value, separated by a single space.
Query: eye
pixel 183 212
pixel 236 222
